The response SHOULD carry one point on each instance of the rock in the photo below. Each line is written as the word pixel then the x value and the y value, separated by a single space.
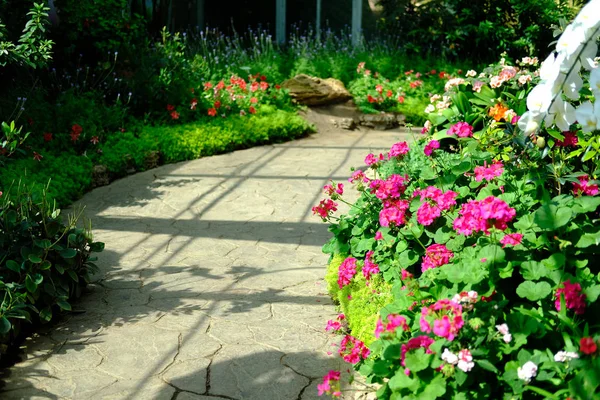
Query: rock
pixel 382 120
pixel 346 123
pixel 313 91
pixel 152 160
pixel 100 176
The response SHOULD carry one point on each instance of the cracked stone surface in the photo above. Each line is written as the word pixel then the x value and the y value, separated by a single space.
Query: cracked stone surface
pixel 211 284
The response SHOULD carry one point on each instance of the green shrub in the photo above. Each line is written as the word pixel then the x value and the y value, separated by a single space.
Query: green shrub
pixel 43 262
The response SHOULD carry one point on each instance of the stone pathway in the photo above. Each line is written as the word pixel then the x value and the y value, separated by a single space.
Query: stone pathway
pixel 211 284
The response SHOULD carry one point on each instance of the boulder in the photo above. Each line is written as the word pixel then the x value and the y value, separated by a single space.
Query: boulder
pixel 100 176
pixel 312 91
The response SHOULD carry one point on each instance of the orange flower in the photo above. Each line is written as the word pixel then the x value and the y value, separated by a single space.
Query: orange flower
pixel 497 112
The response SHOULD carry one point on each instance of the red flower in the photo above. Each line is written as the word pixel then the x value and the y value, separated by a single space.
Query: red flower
pixel 193 104
pixel 254 87
pixel 170 107
pixel 212 112
pixel 277 86
pixel 208 85
pixel 379 88
pixel 220 85
pixel 47 137
pixel 400 99
pixel 264 85
pixel 587 345
pixel 174 115
pixel 389 93
pixel 37 156
pixel 217 104
pixel 254 100
pixel 76 130
pixel 94 140
pixel 252 110
pixel 122 130
pixel 263 78
pixel 371 99
pixel 433 72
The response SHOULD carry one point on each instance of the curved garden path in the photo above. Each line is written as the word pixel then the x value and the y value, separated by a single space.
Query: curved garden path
pixel 211 284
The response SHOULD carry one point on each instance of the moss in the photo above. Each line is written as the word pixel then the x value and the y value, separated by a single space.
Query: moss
pixel 360 303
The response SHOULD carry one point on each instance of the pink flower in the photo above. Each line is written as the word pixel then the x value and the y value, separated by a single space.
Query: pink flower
pixel 393 213
pixel 398 149
pixel 330 384
pixel 405 274
pixel 371 160
pixel 449 324
pixel 477 85
pixel 574 299
pixel 436 255
pixel 346 271
pixel 378 236
pixel 358 176
pixel 393 321
pixel 370 268
pixel 461 129
pixel 482 215
pixel 353 350
pixel 334 191
pixel 427 213
pixel 465 360
pixel 325 208
pixel 413 344
pixel 584 187
pixel 430 147
pixel 393 187
pixel 489 173
pixel 333 326
pixel 511 239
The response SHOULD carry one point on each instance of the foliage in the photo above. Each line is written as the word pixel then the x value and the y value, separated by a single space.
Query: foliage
pixel 32 48
pixel 477 31
pixel 44 264
pixel 487 237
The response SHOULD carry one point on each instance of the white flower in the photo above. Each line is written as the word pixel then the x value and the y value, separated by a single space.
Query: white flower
pixel 429 109
pixel 573 83
pixel 507 338
pixel 588 16
pixel 595 82
pixel 539 98
pixel 523 79
pixel 435 98
pixel 527 372
pixel 588 55
pixel 587 115
pixel 563 356
pixel 503 329
pixel 530 122
pixel 449 357
pixel 562 114
pixel 465 360
pixel 471 73
pixel 571 40
pixel 550 68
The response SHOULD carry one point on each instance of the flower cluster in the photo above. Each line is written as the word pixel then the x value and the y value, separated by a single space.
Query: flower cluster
pixel 511 239
pixel 464 359
pixel 434 202
pixel 490 172
pixel 331 384
pixel 335 325
pixel 466 299
pixel 461 129
pixel 447 318
pixel 527 372
pixel 435 256
pixel 393 321
pixel 325 208
pixel 413 344
pixel 353 350
pixel 482 215
pixel 398 149
pixel 503 330
pixel 584 187
pixel 346 272
pixel 369 268
pixel 574 299
pixel 334 191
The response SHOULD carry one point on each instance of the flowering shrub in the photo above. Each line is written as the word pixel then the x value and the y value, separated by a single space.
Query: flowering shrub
pixel 406 94
pixel 487 245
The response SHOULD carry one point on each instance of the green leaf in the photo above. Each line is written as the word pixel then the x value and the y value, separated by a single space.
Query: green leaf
pixel 43 243
pixel 401 381
pixel 392 352
pixel 592 293
pixel 417 360
pixel 97 247
pixel 442 235
pixel 68 253
pixel 401 246
pixel 30 284
pixel 45 265
pixel 5 325
pixel 485 364
pixel 461 168
pixel 588 239
pixel 64 305
pixel 436 388
pixel 59 268
pixel 550 217
pixel 13 266
pixel 381 368
pixel 585 204
pixel 408 258
pixel 34 259
pixel 533 270
pixel 46 314
pixel 73 275
pixel 534 291
pixel 555 261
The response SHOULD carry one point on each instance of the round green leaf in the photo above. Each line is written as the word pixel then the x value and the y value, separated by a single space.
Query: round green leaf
pixel 534 291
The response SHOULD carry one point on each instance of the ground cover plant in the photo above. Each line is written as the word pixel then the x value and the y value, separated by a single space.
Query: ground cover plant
pixel 466 269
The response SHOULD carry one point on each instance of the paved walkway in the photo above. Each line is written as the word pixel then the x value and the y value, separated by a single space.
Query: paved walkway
pixel 211 283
